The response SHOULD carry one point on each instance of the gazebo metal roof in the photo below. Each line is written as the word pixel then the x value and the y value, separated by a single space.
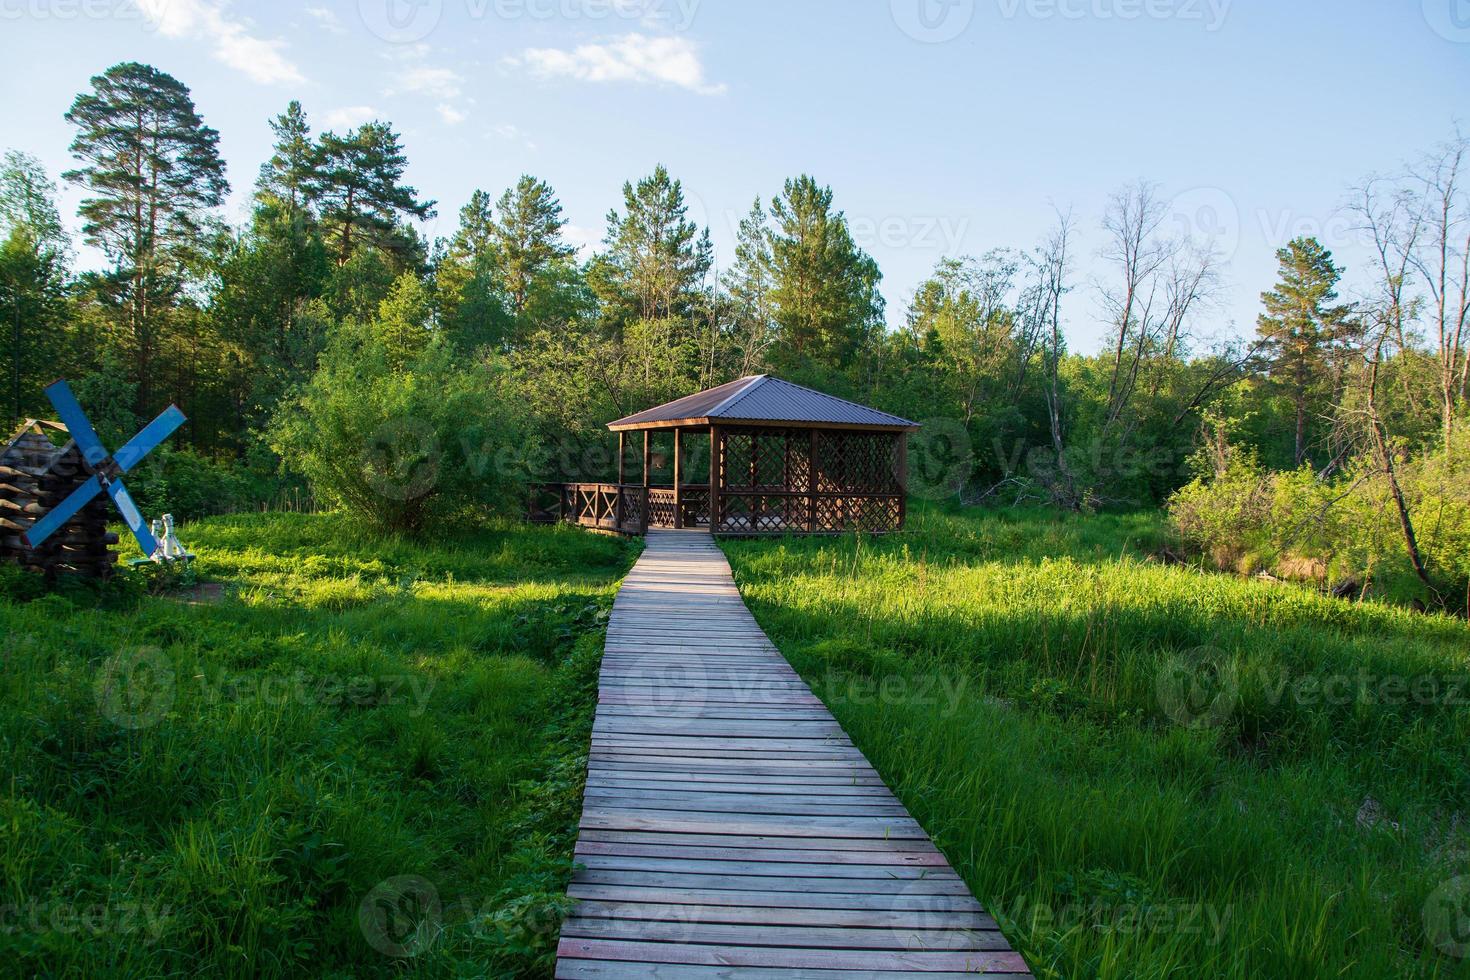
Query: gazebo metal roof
pixel 758 399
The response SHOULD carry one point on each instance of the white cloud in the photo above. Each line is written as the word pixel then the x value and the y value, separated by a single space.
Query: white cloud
pixel 638 58
pixel 327 18
pixel 350 116
pixel 406 52
pixel 445 85
pixel 441 83
pixel 234 45
pixel 513 133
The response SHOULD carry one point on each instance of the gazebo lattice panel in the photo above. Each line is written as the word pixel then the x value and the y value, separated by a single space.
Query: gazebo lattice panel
pixel 768 484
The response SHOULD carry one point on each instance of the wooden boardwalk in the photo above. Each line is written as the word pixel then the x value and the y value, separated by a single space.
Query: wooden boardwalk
pixel 730 829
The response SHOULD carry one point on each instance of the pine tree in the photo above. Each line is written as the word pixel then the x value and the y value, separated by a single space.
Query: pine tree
pixel 1301 330
pixel 656 258
pixel 474 239
pixel 403 322
pixel 750 283
pixel 153 174
pixel 357 184
pixel 470 293
pixel 527 237
pixel 277 269
pixel 286 178
pixel 827 301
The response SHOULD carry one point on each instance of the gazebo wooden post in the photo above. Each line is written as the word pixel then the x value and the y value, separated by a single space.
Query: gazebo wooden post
pixel 647 467
pixel 620 514
pixel 903 479
pixel 714 479
pixel 678 478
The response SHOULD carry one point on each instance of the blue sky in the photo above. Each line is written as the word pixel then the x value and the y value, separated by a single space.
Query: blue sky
pixel 944 126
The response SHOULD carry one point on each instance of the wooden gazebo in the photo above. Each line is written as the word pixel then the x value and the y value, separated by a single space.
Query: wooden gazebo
pixel 782 459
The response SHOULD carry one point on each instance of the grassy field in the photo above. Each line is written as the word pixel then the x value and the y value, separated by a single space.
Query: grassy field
pixel 353 750
pixel 1147 771
pixel 343 750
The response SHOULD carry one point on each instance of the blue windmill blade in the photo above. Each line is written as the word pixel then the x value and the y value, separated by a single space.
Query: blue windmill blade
pixel 133 517
pixel 76 423
pixel 63 512
pixel 145 441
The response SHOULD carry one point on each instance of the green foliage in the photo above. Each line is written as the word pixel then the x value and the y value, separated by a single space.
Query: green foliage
pixel 152 172
pixel 826 288
pixel 1337 530
pixel 1302 331
pixel 190 485
pixel 402 325
pixel 656 258
pixel 28 200
pixel 108 396
pixel 356 183
pixel 32 318
pixel 405 439
pixel 470 298
pixel 526 240
pixel 1021 680
pixel 346 710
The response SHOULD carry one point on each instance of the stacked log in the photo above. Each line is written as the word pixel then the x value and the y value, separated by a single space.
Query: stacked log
pixel 36 475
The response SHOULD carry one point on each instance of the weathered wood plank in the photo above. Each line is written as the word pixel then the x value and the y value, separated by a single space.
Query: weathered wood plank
pixel 754 898
pixel 729 826
pixel 571 969
pixel 1003 963
pixel 758 915
pixel 693 929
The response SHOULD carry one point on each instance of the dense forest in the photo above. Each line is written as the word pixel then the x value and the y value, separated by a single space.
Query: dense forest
pixel 327 345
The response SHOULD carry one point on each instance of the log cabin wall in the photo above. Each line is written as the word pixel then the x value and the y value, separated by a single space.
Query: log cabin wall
pixel 36 475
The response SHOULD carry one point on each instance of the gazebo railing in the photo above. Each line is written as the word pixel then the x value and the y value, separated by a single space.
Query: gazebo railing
pixel 792 511
pixel 607 506
pixel 661 506
pixel 627 508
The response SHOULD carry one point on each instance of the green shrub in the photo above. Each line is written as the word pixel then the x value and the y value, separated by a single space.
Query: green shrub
pixel 405 439
pixel 1338 529
pixel 190 485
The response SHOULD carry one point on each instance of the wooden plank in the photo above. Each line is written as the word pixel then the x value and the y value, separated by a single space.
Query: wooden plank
pixel 755 898
pixel 850 845
pixel 1003 963
pixel 727 852
pixel 766 868
pixel 578 969
pixel 694 929
pixel 729 826
pixel 757 915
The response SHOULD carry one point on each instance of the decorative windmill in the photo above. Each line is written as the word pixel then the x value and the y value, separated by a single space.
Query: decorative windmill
pixel 105 471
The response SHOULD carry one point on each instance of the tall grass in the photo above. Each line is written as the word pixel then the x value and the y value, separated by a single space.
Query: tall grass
pixel 221 784
pixel 1147 771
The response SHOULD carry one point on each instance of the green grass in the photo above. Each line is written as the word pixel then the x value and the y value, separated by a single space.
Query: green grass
pixel 1135 766
pixel 350 711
